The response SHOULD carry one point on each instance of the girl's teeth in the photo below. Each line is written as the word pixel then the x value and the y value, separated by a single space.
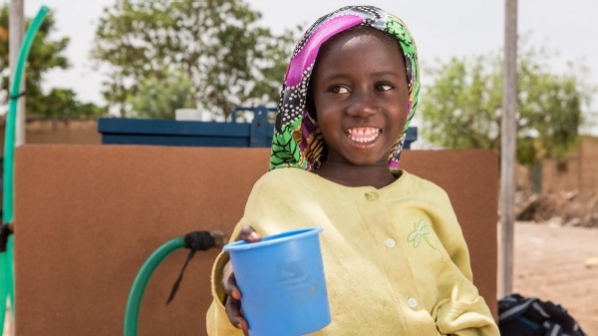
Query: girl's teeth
pixel 363 135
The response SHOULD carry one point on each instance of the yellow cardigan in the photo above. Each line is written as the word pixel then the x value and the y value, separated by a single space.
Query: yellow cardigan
pixel 395 259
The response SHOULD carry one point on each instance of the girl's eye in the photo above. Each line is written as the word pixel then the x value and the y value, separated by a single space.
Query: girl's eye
pixel 384 87
pixel 339 89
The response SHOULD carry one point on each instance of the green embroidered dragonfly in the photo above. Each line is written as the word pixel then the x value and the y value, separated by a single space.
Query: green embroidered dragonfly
pixel 420 230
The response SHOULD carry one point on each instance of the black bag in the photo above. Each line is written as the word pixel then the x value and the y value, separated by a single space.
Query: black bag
pixel 519 316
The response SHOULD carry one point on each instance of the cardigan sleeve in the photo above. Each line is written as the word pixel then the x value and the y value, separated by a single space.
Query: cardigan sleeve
pixel 448 229
pixel 461 310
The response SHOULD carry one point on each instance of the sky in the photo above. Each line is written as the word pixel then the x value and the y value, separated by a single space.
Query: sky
pixel 441 28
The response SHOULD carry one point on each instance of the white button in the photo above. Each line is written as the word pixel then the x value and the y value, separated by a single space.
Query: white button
pixel 412 302
pixel 390 243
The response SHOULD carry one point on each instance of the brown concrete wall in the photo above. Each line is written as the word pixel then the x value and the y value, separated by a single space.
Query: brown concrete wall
pixel 58 131
pixel 566 178
pixel 589 165
pixel 87 218
pixel 578 172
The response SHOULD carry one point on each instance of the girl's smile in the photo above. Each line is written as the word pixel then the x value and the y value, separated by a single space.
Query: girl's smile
pixel 363 135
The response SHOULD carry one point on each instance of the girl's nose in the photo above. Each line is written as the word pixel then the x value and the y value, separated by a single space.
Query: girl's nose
pixel 362 105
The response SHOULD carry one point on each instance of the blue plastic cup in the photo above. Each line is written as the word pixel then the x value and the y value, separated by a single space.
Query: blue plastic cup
pixel 281 279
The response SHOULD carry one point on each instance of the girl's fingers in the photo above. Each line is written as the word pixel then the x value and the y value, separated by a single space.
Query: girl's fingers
pixel 235 316
pixel 229 283
pixel 249 235
pixel 233 290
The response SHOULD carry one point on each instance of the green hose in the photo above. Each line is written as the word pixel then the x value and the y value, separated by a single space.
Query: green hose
pixel 6 260
pixel 148 268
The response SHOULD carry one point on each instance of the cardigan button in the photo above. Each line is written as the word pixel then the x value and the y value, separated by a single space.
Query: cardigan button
pixel 390 243
pixel 370 196
pixel 412 302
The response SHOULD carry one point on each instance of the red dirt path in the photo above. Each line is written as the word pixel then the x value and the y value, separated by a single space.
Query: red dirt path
pixel 554 263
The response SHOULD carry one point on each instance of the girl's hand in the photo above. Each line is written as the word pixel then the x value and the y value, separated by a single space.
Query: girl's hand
pixel 233 299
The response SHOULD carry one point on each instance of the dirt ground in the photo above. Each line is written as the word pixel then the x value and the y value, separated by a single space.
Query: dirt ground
pixel 559 264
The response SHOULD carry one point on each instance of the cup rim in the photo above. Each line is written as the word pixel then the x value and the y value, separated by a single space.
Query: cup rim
pixel 274 239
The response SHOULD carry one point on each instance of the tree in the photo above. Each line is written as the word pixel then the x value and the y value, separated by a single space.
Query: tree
pixel 462 108
pixel 218 45
pixel 62 103
pixel 46 54
pixel 159 100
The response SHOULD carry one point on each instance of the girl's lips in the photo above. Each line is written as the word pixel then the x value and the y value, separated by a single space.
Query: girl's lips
pixel 363 135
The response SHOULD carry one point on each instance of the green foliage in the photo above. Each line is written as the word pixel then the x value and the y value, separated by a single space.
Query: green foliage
pixel 159 99
pixel 218 45
pixel 46 54
pixel 62 103
pixel 463 107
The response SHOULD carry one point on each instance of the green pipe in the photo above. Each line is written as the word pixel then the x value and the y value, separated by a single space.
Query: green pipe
pixel 6 260
pixel 148 268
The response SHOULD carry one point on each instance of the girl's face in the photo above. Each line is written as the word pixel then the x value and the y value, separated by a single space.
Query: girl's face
pixel 360 95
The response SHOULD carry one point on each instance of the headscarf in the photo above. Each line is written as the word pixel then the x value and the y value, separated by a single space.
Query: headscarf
pixel 297 141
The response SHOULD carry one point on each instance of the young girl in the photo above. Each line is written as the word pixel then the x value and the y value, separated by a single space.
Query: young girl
pixel 395 259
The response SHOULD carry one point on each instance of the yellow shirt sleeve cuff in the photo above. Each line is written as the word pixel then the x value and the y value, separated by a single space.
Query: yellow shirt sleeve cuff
pixel 218 293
